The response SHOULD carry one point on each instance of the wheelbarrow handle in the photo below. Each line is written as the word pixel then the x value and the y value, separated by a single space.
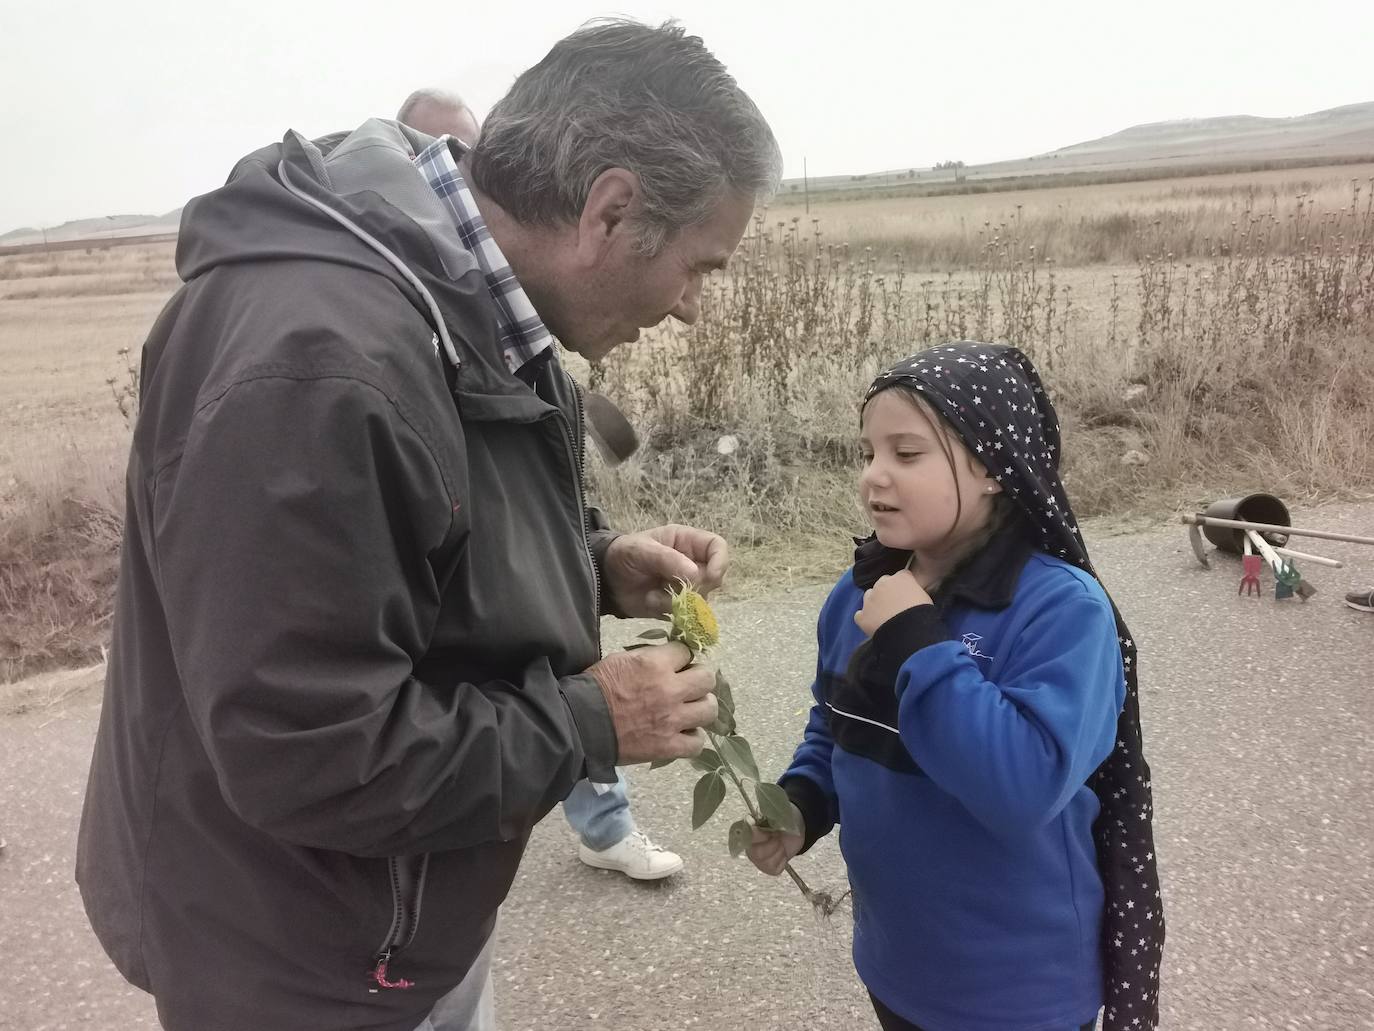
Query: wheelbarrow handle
pixel 1189 518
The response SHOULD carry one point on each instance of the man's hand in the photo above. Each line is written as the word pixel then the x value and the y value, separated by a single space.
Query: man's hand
pixel 658 702
pixel 889 596
pixel 639 567
pixel 771 850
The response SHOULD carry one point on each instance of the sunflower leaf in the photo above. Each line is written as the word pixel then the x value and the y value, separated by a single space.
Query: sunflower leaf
pixel 724 693
pixel 736 751
pixel 707 797
pixel 777 809
pixel 707 761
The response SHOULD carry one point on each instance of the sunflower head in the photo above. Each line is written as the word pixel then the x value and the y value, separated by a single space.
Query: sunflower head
pixel 693 622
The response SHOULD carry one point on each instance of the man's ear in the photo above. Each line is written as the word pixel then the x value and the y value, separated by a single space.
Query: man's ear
pixel 605 218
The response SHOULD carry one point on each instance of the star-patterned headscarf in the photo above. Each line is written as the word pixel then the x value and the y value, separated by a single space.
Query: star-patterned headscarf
pixel 992 396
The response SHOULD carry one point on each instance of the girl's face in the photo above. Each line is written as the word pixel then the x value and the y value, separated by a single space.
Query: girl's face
pixel 920 486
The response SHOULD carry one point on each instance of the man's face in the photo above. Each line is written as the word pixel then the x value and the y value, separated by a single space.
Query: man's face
pixel 628 292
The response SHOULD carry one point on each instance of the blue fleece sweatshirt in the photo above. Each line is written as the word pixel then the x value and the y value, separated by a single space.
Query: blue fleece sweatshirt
pixel 954 750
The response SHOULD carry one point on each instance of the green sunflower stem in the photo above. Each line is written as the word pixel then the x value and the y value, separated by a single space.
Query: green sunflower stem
pixel 805 889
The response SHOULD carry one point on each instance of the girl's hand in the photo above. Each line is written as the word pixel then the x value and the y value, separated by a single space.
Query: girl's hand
pixel 889 596
pixel 771 850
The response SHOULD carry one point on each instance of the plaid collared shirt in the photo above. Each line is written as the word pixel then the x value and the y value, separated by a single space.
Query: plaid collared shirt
pixel 523 333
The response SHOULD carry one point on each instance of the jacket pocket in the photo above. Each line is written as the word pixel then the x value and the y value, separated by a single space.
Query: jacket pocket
pixel 406 875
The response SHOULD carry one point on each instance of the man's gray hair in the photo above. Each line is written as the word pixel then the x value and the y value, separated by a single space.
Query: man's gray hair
pixel 620 94
pixel 437 97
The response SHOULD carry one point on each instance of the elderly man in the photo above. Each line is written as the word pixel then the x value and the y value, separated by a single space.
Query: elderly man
pixel 356 653
pixel 608 838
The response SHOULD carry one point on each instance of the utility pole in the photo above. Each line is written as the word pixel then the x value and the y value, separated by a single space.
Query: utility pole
pixel 806 187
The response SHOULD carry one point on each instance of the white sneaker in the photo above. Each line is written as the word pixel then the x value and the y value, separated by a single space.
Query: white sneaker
pixel 635 856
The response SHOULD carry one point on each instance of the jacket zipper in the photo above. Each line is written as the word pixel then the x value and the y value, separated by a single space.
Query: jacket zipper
pixel 407 883
pixel 407 875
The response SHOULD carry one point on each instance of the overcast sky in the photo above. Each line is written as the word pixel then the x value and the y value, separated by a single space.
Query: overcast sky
pixel 135 106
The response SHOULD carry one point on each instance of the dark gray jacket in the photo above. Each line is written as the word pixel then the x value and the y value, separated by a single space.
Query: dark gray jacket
pixel 355 602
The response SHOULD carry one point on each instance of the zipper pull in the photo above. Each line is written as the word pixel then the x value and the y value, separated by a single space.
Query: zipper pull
pixel 379 974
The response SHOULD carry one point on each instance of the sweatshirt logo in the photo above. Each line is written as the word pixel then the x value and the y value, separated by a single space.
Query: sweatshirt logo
pixel 971 643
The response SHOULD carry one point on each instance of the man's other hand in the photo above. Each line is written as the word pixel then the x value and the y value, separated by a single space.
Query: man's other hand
pixel 640 567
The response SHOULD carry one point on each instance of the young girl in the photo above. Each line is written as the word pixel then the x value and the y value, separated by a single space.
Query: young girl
pixel 976 730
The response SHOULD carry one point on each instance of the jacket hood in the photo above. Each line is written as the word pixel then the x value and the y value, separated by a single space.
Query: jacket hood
pixel 367 175
pixel 355 199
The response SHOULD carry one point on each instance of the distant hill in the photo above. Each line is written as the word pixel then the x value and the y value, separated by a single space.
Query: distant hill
pixel 96 229
pixel 1337 134
pixel 1323 133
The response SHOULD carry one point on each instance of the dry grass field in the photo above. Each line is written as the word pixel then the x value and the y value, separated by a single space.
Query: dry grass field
pixel 1201 335
pixel 64 318
pixel 1071 225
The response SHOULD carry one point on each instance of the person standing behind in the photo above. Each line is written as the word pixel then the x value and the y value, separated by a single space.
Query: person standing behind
pixel 608 838
pixel 437 112
pixel 356 652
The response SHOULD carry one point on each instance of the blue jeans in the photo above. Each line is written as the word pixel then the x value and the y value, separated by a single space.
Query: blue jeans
pixel 601 820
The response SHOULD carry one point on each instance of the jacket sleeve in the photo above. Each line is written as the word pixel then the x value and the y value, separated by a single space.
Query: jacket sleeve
pixel 809 781
pixel 600 537
pixel 294 537
pixel 1013 752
